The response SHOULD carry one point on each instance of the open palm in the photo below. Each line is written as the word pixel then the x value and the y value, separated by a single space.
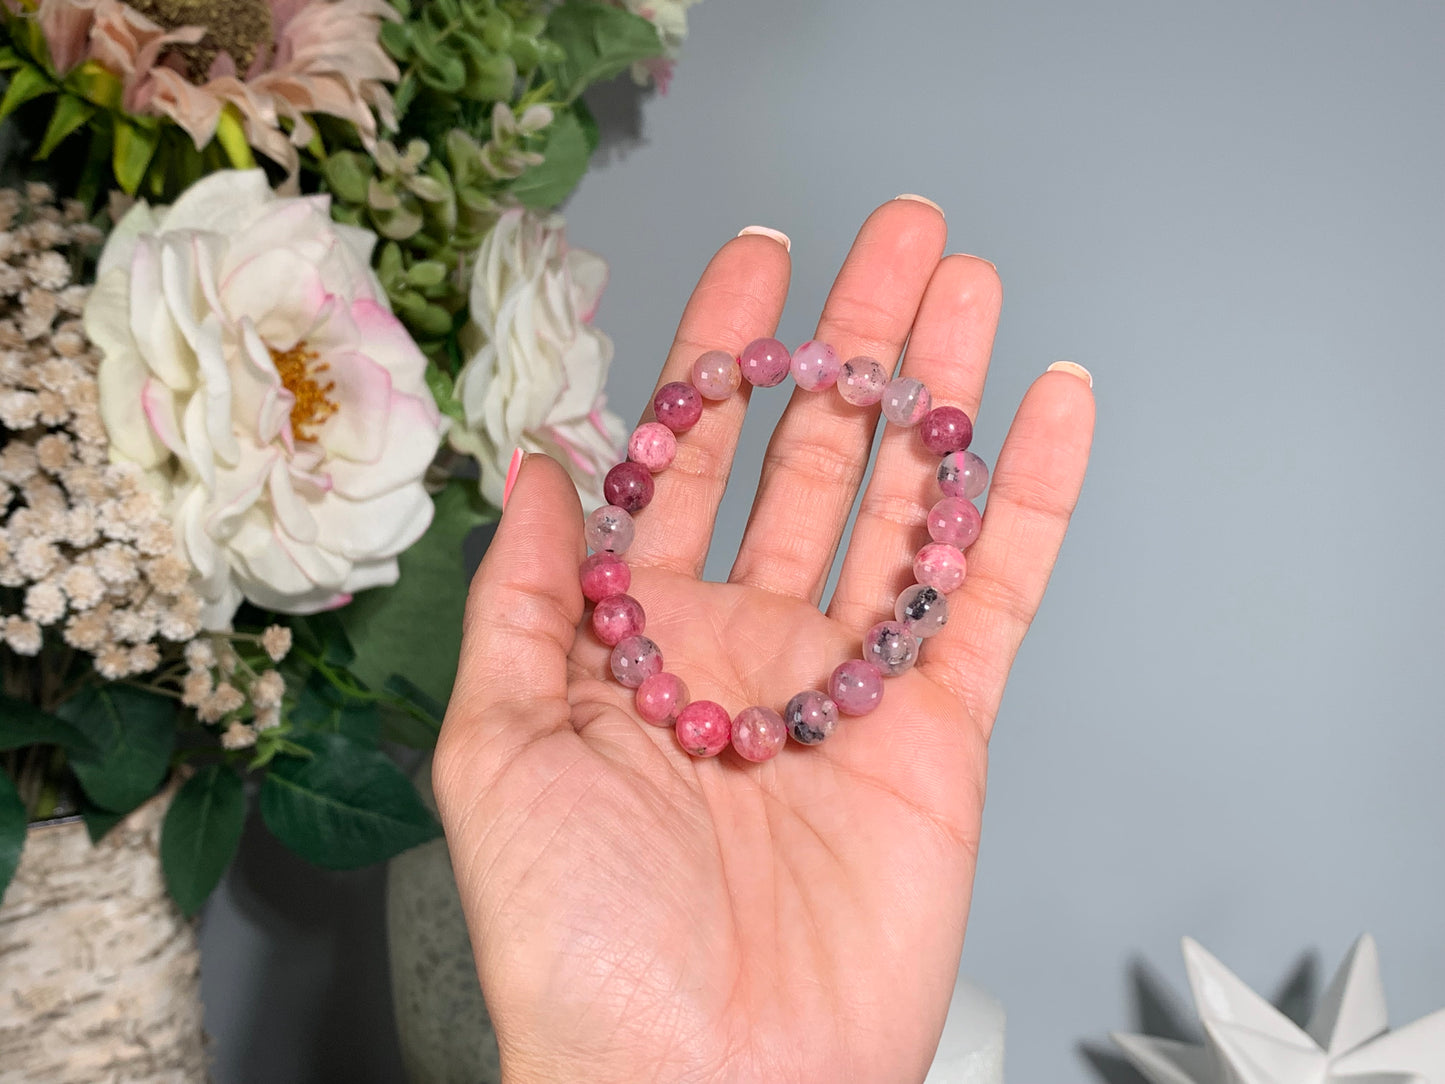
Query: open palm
pixel 642 916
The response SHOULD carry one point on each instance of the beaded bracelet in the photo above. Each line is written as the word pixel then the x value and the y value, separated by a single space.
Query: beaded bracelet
pixel 703 727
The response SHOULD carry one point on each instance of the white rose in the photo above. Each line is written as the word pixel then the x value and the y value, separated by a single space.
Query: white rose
pixel 252 367
pixel 537 366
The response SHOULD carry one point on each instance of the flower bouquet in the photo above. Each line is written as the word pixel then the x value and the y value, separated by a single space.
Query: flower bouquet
pixel 280 294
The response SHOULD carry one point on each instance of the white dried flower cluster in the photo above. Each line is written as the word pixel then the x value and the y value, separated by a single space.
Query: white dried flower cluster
pixel 224 689
pixel 83 548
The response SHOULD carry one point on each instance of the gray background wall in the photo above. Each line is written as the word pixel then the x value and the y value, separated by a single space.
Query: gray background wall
pixel 1227 720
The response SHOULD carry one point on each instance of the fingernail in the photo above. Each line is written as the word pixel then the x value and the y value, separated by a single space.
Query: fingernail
pixel 971 256
pixel 764 231
pixel 921 199
pixel 1073 368
pixel 511 477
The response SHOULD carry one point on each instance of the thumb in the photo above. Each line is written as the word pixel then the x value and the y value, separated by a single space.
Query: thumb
pixel 523 610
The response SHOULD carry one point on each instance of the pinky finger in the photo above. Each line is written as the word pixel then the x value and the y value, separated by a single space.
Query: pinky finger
pixel 1035 486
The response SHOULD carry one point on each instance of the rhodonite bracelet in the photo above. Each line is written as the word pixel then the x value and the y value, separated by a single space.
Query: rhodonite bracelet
pixel 704 728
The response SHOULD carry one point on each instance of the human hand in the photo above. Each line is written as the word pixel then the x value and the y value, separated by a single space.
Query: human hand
pixel 639 915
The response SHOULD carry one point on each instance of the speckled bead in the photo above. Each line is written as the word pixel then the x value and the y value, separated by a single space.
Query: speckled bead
pixel 660 697
pixel 962 474
pixel 922 608
pixel 955 521
pixel 616 618
pixel 634 660
pixel 609 529
pixel 940 566
pixel 856 687
pixel 703 728
pixel 815 366
pixel 906 401
pixel 653 445
pixel 629 486
pixel 603 576
pixel 945 429
pixel 889 646
pixel 677 406
pixel 861 381
pixel 811 717
pixel 759 734
pixel 716 375
pixel 764 363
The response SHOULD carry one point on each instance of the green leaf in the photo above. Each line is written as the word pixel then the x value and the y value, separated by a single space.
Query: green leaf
pixel 414 628
pixel 347 174
pixel 27 83
pixel 564 161
pixel 442 388
pixel 135 145
pixel 345 806
pixel 413 719
pixel 597 42
pixel 13 823
pixel 133 732
pixel 98 822
pixel 325 637
pixel 70 113
pixel 323 708
pixel 231 137
pixel 200 834
pixel 23 724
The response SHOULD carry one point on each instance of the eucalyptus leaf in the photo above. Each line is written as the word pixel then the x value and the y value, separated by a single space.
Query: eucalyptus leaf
pixel 201 832
pixel 13 825
pixel 345 806
pixel 414 628
pixel 133 732
pixel 564 161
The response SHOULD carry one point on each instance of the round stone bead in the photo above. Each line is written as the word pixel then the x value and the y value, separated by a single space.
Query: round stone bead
pixel 811 717
pixel 955 521
pixel 906 401
pixel 940 566
pixel 922 608
pixel 609 529
pixel 962 474
pixel 677 406
pixel 660 697
pixel 653 445
pixel 759 734
pixel 616 618
pixel 634 660
pixel 703 728
pixel 815 366
pixel 603 576
pixel 716 375
pixel 764 363
pixel 889 646
pixel 629 486
pixel 945 429
pixel 861 381
pixel 856 687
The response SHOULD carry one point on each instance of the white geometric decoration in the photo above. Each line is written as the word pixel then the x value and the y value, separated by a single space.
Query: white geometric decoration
pixel 1249 1041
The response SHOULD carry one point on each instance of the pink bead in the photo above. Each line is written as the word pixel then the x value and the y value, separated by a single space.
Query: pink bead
pixel 810 717
pixel 616 618
pixel 634 660
pixel 677 406
pixel 861 381
pixel 629 486
pixel 716 375
pixel 764 362
pixel 759 734
pixel 940 566
pixel 962 474
pixel 653 445
pixel 609 528
pixel 703 728
pixel 906 401
pixel 856 687
pixel 955 521
pixel 945 429
pixel 603 576
pixel 660 697
pixel 891 647
pixel 815 365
